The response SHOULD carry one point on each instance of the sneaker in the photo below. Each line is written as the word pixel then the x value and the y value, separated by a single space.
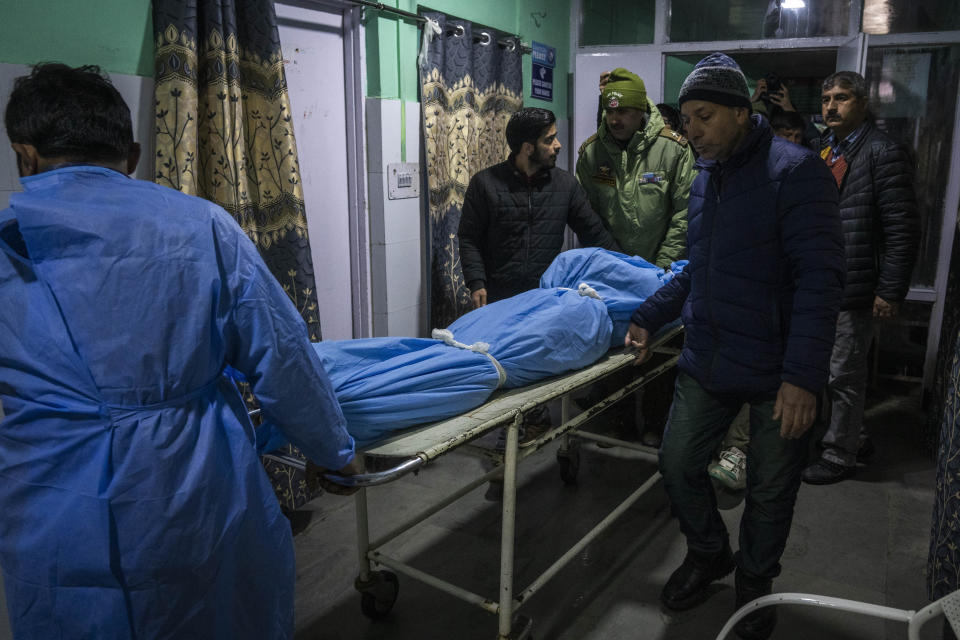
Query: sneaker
pixel 731 469
pixel 687 586
pixel 826 472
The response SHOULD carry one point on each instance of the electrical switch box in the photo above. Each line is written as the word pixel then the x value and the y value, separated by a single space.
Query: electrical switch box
pixel 403 180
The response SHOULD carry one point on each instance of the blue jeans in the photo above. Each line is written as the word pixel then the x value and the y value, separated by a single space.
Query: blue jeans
pixel 698 422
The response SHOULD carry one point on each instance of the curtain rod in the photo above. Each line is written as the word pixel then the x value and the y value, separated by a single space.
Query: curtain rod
pixel 379 6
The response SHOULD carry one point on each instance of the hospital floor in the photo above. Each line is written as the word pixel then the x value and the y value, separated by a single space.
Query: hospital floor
pixel 865 539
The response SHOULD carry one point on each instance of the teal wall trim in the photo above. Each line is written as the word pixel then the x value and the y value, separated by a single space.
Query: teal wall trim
pixel 117 35
pixel 393 43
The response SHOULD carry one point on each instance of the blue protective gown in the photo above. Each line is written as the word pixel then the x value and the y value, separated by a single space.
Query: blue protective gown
pixel 133 502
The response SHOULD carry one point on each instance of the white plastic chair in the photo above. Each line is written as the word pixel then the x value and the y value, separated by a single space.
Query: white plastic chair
pixel 948 606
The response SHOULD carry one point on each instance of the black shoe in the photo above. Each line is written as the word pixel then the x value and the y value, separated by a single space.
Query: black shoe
pixel 826 472
pixel 687 586
pixel 759 624
pixel 864 453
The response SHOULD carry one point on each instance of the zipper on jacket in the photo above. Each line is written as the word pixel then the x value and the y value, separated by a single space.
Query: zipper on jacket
pixel 706 285
pixel 529 234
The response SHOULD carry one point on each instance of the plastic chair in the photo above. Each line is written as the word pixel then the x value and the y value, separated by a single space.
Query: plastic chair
pixel 948 606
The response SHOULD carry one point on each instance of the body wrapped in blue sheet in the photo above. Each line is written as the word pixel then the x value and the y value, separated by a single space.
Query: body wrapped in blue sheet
pixel 387 384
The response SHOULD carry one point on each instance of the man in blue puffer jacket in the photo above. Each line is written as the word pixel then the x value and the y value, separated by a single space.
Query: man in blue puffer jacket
pixel 759 300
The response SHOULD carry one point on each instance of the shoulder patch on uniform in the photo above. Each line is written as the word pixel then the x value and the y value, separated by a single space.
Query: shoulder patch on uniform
pixel 667 132
pixel 585 143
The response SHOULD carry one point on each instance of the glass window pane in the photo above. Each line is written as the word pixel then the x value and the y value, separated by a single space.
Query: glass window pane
pixel 913 94
pixel 800 71
pixel 617 22
pixel 699 21
pixel 904 16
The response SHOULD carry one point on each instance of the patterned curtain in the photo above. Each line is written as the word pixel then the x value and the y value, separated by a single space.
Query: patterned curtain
pixel 943 569
pixel 224 133
pixel 469 87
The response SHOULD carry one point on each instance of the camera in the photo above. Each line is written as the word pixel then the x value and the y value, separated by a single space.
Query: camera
pixel 773 83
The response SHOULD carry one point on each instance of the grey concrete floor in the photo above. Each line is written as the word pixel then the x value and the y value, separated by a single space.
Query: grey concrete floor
pixel 865 539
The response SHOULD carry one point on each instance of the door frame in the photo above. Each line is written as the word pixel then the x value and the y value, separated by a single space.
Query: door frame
pixel 354 73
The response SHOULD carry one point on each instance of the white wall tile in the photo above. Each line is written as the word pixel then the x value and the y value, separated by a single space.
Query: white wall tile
pixel 403 262
pixel 398 288
pixel 401 220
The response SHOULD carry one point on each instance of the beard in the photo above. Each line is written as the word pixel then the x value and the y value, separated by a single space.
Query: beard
pixel 545 159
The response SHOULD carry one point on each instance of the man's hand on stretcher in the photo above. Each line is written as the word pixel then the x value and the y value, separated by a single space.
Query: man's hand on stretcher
pixel 795 407
pixel 315 474
pixel 637 341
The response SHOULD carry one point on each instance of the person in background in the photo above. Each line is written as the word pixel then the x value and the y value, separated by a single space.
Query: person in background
pixel 514 218
pixel 671 117
pixel 765 244
pixel 881 233
pixel 637 173
pixel 789 125
pixel 134 503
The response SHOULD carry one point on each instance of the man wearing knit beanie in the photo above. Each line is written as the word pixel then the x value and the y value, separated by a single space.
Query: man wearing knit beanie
pixel 759 301
pixel 637 174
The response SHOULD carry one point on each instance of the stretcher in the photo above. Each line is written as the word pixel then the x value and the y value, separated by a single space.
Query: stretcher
pixel 947 606
pixel 414 448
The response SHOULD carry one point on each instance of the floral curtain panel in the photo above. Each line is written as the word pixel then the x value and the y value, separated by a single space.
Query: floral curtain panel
pixel 224 133
pixel 943 570
pixel 470 85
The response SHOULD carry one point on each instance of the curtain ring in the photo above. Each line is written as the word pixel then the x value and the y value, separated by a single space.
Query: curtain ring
pixel 508 43
pixel 483 39
pixel 456 31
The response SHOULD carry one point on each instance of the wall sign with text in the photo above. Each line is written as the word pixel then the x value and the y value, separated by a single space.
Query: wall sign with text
pixel 544 60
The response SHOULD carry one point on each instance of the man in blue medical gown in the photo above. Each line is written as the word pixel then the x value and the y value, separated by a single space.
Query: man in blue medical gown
pixel 133 501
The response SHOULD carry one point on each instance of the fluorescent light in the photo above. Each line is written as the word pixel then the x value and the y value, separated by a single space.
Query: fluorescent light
pixel 793 4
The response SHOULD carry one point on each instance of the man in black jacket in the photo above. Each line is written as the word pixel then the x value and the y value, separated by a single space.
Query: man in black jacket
pixel 881 235
pixel 515 213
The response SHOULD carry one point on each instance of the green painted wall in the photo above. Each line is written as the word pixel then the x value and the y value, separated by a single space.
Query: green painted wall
pixel 393 43
pixel 117 35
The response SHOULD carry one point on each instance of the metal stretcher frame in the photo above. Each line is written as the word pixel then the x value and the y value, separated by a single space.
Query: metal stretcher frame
pixel 417 446
pixel 948 606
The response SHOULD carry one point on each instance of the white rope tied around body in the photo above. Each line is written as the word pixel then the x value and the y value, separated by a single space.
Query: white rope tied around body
pixel 431 29
pixel 586 290
pixel 479 347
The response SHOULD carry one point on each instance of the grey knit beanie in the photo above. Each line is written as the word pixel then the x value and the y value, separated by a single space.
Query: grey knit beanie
pixel 716 78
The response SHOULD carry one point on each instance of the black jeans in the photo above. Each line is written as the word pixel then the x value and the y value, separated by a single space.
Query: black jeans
pixel 698 422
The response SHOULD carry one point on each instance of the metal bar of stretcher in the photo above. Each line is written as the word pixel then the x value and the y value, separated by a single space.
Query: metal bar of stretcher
pixel 602 526
pixel 433 581
pixel 508 526
pixel 426 513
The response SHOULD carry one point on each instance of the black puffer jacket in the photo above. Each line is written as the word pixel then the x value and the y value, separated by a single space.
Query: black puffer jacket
pixel 512 227
pixel 880 225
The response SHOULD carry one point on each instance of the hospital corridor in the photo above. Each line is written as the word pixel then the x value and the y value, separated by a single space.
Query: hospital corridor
pixel 498 320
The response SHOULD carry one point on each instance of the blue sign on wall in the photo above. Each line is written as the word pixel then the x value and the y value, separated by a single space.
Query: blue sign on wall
pixel 544 60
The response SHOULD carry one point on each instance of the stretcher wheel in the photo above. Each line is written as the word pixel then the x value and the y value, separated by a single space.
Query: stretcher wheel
pixel 378 594
pixel 569 465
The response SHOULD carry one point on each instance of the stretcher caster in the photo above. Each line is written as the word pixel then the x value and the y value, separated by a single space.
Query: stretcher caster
pixel 569 460
pixel 378 594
